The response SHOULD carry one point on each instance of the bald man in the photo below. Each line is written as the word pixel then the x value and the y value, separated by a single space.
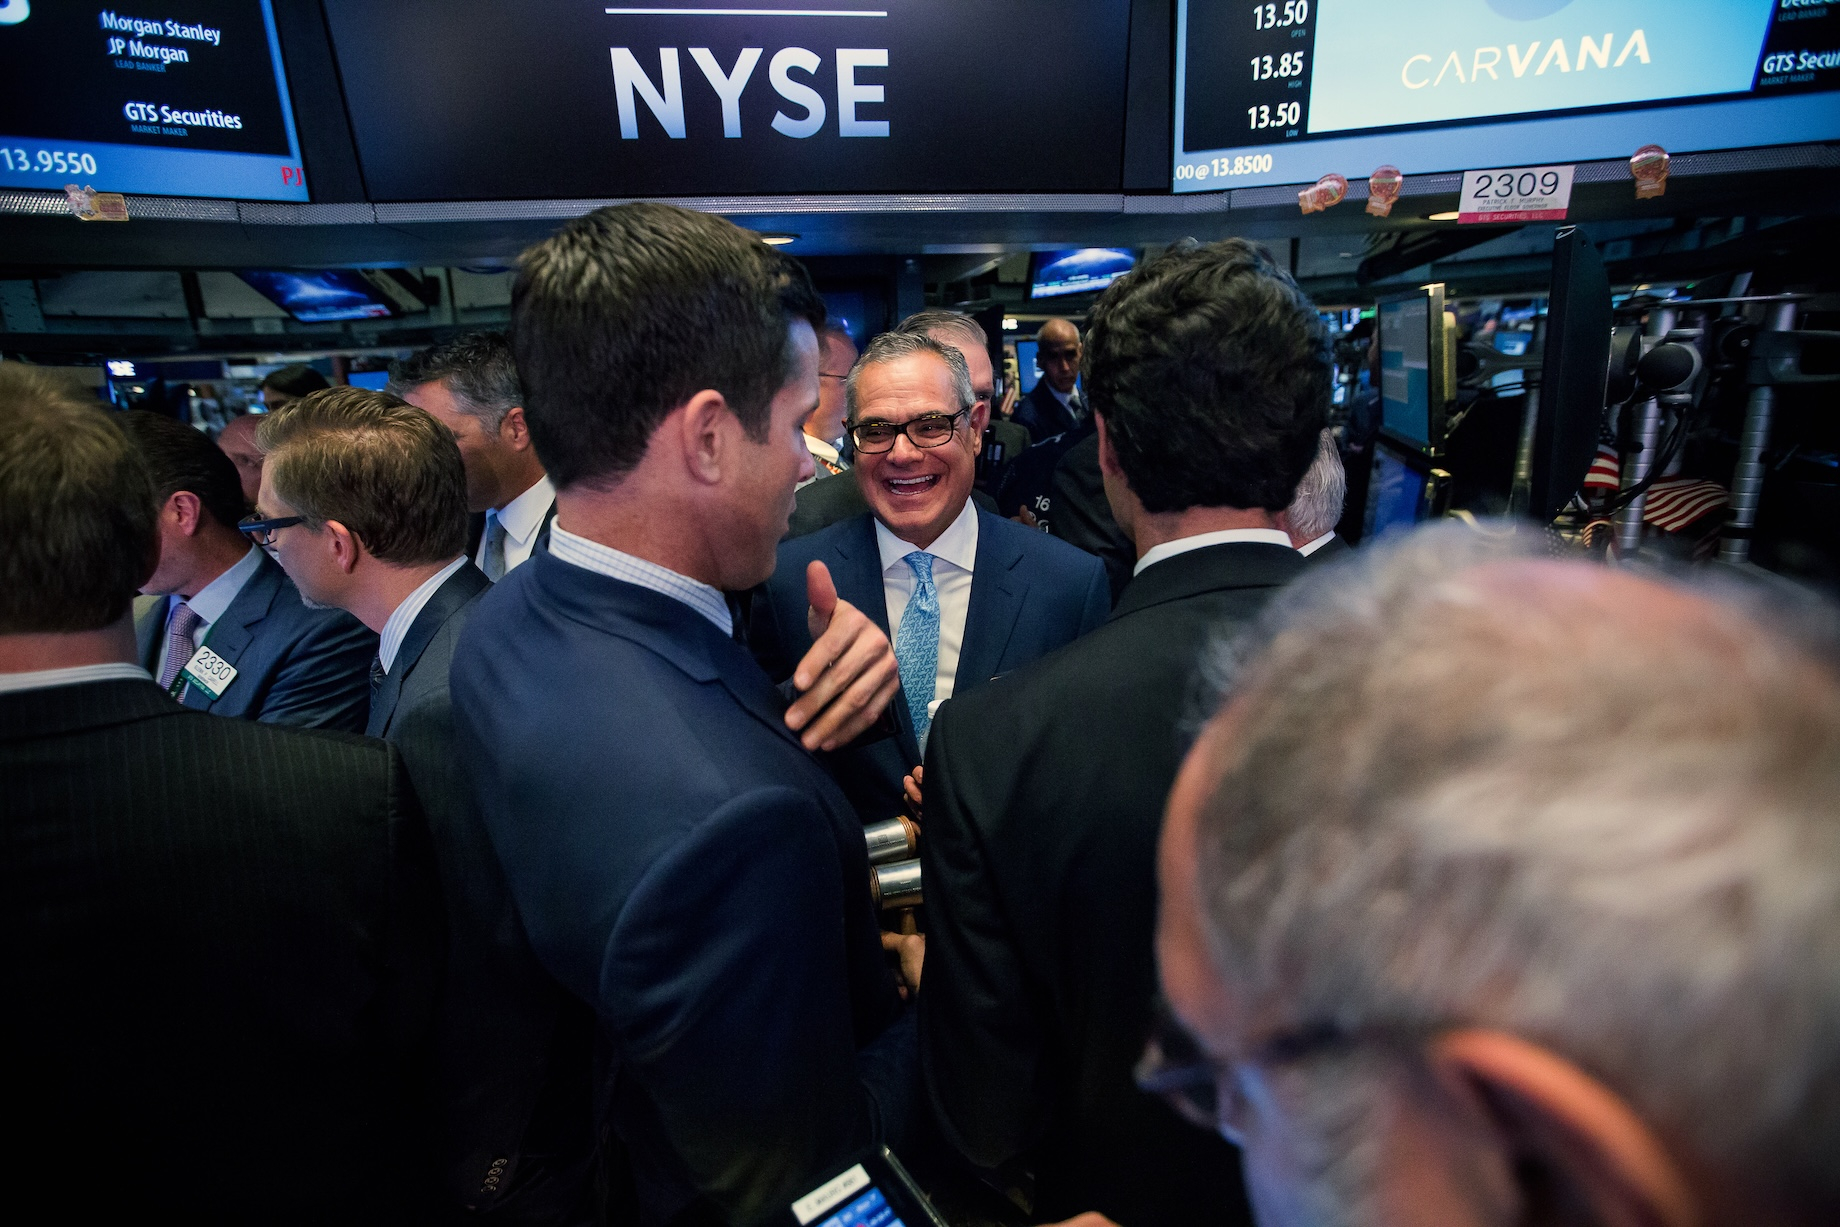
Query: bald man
pixel 1053 405
pixel 238 441
pixel 1534 922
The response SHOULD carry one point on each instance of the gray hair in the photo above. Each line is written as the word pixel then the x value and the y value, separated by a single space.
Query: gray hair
pixel 477 369
pixel 1316 508
pixel 1439 805
pixel 893 346
pixel 951 323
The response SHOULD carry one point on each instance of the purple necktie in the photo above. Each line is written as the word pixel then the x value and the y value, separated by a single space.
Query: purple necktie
pixel 179 647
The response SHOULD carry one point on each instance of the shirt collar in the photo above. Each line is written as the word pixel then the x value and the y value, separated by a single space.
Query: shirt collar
pixel 1310 547
pixel 956 545
pixel 706 599
pixel 214 598
pixel 45 679
pixel 405 614
pixel 1066 399
pixel 822 449
pixel 523 515
pixel 1226 536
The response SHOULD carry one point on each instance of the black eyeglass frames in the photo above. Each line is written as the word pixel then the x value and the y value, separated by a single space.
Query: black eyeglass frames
pixel 262 532
pixel 927 430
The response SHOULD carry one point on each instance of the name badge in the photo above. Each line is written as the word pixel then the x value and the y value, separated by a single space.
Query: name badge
pixel 209 672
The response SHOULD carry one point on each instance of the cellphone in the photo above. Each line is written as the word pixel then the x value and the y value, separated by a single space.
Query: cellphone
pixel 874 1191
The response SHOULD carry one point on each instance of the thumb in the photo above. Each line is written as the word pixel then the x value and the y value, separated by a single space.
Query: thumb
pixel 822 595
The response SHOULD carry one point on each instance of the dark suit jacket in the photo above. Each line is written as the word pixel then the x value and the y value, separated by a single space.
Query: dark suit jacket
pixel 837 497
pixel 1029 595
pixel 1079 513
pixel 223 945
pixel 1039 860
pixel 513 1048
pixel 1027 482
pixel 294 665
pixel 683 865
pixel 1041 414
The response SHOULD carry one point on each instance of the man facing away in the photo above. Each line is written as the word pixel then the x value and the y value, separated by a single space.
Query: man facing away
pixel 224 935
pixel 1518 903
pixel 1040 845
pixel 680 860
pixel 379 491
pixel 233 636
pixel 470 385
pixel 966 595
pixel 824 428
pixel 1316 508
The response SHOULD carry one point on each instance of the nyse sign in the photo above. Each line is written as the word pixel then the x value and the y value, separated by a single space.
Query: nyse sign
pixel 666 96
pixel 579 99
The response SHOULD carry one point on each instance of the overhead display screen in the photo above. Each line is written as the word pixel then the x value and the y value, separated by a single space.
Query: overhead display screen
pixel 172 98
pixel 558 99
pixel 1286 92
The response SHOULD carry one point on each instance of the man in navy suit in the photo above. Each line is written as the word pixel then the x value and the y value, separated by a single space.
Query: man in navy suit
pixel 383 492
pixel 680 860
pixel 1053 405
pixel 283 662
pixel 967 595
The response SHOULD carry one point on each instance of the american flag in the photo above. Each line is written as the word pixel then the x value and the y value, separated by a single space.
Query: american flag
pixel 1673 502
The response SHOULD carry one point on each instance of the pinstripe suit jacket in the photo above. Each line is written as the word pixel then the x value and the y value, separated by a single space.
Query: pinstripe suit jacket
pixel 224 946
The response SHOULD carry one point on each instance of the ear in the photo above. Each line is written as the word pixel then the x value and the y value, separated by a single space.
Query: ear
pixel 343 545
pixel 185 511
pixel 514 430
pixel 980 418
pixel 710 436
pixel 1589 1146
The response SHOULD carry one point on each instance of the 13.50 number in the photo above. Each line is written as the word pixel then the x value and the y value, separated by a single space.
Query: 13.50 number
pixel 1284 115
pixel 48 161
pixel 1272 16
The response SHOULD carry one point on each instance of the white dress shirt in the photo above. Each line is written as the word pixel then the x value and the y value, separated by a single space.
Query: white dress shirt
pixel 1310 547
pixel 45 679
pixel 209 604
pixel 404 615
pixel 954 556
pixel 1226 536
pixel 605 560
pixel 829 459
pixel 522 517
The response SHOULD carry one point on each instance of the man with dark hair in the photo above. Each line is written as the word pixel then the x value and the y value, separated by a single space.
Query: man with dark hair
pixel 470 385
pixel 290 383
pixel 380 495
pixel 1209 373
pixel 223 935
pixel 680 860
pixel 966 595
pixel 235 638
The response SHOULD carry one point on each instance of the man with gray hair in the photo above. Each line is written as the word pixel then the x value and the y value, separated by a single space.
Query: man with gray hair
pixel 1535 921
pixel 964 595
pixel 1316 508
pixel 470 385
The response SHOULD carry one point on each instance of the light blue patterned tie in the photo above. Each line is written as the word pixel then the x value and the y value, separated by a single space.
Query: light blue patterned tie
pixel 916 644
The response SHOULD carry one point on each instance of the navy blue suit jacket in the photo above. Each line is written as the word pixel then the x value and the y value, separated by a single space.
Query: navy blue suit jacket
pixel 294 665
pixel 1042 413
pixel 512 1049
pixel 682 864
pixel 1030 594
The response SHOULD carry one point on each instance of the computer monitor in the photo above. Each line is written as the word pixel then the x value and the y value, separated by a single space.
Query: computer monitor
pixel 1574 367
pixel 1414 381
pixel 1398 491
pixel 322 295
pixel 1082 270
pixel 1027 372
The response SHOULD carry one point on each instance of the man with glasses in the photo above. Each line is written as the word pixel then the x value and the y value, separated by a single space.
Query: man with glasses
pixel 824 428
pixel 234 636
pixel 1044 792
pixel 964 595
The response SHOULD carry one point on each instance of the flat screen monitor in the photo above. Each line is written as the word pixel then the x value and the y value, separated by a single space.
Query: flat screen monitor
pixel 1027 372
pixel 1574 368
pixel 1396 491
pixel 1082 270
pixel 1285 91
pixel 321 295
pixel 182 99
pixel 1411 361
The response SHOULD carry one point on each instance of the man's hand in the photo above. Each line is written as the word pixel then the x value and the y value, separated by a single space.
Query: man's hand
pixel 911 947
pixel 910 788
pixel 1026 517
pixel 849 675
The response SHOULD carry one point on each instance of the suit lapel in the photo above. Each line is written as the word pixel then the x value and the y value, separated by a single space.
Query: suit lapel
pixel 996 602
pixel 232 634
pixel 462 586
pixel 856 568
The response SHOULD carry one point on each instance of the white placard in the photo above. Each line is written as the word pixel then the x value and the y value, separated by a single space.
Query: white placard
pixel 829 1194
pixel 1516 194
pixel 210 672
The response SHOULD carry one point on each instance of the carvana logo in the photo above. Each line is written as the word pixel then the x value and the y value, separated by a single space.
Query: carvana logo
pixel 12 12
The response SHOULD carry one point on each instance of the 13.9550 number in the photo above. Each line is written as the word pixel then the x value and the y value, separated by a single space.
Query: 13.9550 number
pixel 48 161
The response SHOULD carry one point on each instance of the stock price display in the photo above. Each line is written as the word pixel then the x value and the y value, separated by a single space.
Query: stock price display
pixel 1256 61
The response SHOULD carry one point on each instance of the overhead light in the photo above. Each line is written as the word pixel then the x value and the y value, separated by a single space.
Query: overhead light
pixel 780 240
pixel 1451 216
pixel 1010 324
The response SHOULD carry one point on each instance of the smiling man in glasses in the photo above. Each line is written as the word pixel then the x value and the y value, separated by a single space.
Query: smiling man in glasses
pixel 964 595
pixel 234 637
